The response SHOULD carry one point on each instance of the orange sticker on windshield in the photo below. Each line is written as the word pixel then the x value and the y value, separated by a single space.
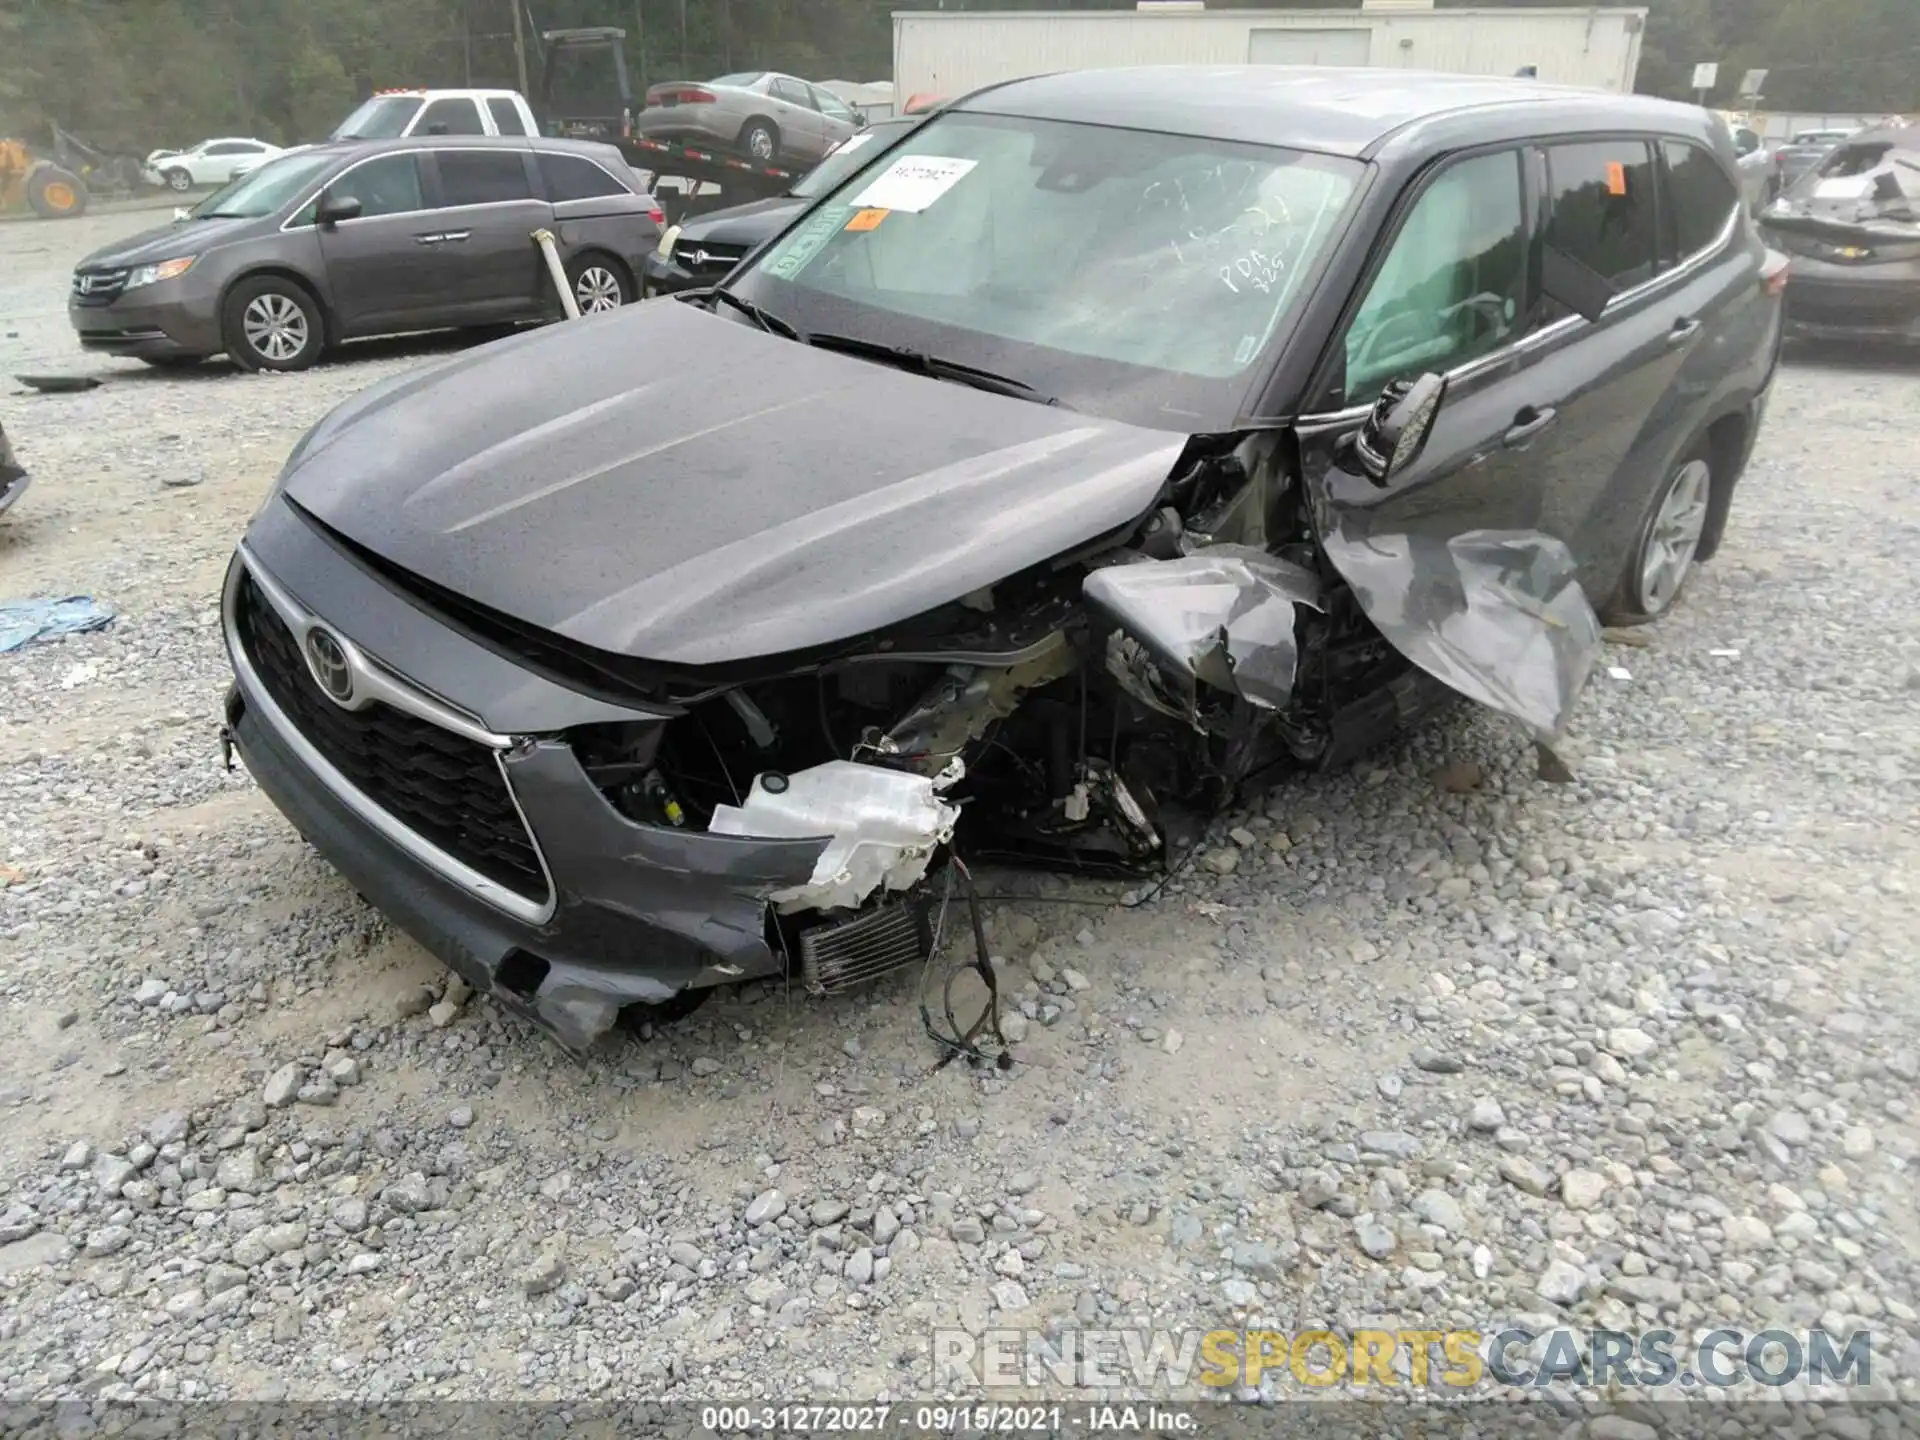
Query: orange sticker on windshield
pixel 866 220
pixel 1616 178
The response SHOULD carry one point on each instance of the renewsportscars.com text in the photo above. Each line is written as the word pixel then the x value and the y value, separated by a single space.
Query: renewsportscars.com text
pixel 1514 1357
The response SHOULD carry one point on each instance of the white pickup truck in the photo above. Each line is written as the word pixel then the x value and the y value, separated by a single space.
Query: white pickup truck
pixel 393 114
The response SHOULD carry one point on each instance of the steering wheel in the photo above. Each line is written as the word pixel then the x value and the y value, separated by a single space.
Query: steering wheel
pixel 1486 306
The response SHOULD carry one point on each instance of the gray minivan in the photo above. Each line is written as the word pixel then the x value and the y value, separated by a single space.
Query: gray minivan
pixel 363 238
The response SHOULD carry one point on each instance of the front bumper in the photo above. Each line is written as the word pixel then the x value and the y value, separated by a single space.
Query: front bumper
pixel 664 277
pixel 155 322
pixel 621 914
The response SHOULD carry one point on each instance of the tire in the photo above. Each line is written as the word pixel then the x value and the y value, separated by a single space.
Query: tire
pixel 179 181
pixel 272 323
pixel 594 275
pixel 1667 542
pixel 760 138
pixel 56 194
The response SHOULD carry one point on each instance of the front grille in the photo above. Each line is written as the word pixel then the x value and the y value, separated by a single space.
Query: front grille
pixel 444 787
pixel 98 287
pixel 710 259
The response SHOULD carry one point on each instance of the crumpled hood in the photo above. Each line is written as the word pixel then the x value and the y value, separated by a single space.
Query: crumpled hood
pixel 166 242
pixel 675 486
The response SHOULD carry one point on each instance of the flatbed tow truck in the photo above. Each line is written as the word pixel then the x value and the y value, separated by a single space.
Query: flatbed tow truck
pixel 704 178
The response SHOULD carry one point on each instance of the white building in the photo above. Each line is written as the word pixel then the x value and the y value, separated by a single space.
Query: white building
pixel 950 52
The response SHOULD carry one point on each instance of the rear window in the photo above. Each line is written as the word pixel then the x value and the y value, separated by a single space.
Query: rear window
pixel 1703 197
pixel 451 116
pixel 574 177
pixel 1602 208
pixel 506 116
pixel 384 117
pixel 482 177
pixel 1879 178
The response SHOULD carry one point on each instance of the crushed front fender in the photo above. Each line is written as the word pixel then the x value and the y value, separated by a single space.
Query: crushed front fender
pixel 1498 615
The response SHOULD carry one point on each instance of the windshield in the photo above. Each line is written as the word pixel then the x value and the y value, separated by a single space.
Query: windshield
pixel 855 151
pixel 384 117
pixel 263 191
pixel 1127 273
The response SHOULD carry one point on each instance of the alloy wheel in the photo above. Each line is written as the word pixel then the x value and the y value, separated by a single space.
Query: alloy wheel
pixel 179 181
pixel 276 327
pixel 597 290
pixel 1673 537
pixel 760 144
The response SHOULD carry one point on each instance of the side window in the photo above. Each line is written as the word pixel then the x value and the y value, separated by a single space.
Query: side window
pixel 1451 287
pixel 225 147
pixel 574 177
pixel 450 116
pixel 506 116
pixel 830 105
pixel 1601 208
pixel 482 177
pixel 1700 195
pixel 791 91
pixel 387 186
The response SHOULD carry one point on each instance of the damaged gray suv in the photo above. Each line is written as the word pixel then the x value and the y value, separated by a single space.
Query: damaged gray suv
pixel 1112 442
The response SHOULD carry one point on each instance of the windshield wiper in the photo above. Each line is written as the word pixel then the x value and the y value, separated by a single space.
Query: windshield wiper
pixel 905 357
pixel 772 324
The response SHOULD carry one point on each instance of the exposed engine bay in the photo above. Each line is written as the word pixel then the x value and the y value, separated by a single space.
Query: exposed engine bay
pixel 1092 713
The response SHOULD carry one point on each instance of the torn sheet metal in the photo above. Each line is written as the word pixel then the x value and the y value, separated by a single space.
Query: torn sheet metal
pixel 884 826
pixel 1223 615
pixel 13 475
pixel 1498 615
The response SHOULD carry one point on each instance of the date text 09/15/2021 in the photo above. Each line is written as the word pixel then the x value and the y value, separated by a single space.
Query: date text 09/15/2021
pixel 944 1419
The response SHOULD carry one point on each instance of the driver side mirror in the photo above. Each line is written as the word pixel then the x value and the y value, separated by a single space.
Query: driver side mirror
pixel 1397 430
pixel 335 208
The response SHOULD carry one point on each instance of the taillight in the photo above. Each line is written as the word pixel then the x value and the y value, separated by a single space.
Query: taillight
pixel 657 215
pixel 1774 272
pixel 680 95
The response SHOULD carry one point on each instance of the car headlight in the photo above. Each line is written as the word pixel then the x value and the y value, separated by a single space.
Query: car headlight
pixel 668 239
pixel 164 270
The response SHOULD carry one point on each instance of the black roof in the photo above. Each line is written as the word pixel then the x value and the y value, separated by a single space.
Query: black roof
pixel 1329 109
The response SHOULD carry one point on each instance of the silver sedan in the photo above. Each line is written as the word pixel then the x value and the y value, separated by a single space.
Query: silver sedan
pixel 767 116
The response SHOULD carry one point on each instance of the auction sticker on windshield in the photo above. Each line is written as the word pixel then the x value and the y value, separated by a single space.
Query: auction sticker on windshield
pixel 804 243
pixel 912 184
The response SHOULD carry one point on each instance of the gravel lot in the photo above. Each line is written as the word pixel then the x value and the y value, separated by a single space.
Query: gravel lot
pixel 1431 1042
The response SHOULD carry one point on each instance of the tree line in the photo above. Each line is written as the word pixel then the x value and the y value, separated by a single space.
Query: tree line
pixel 134 75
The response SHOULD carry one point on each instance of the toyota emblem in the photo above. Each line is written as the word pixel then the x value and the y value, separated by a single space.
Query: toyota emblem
pixel 332 672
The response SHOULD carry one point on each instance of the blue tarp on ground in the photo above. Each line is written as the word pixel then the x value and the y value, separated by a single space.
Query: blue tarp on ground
pixel 23 621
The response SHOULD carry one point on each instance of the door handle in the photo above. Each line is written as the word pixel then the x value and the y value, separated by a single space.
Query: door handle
pixel 1683 330
pixel 454 237
pixel 1527 424
pixel 428 239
